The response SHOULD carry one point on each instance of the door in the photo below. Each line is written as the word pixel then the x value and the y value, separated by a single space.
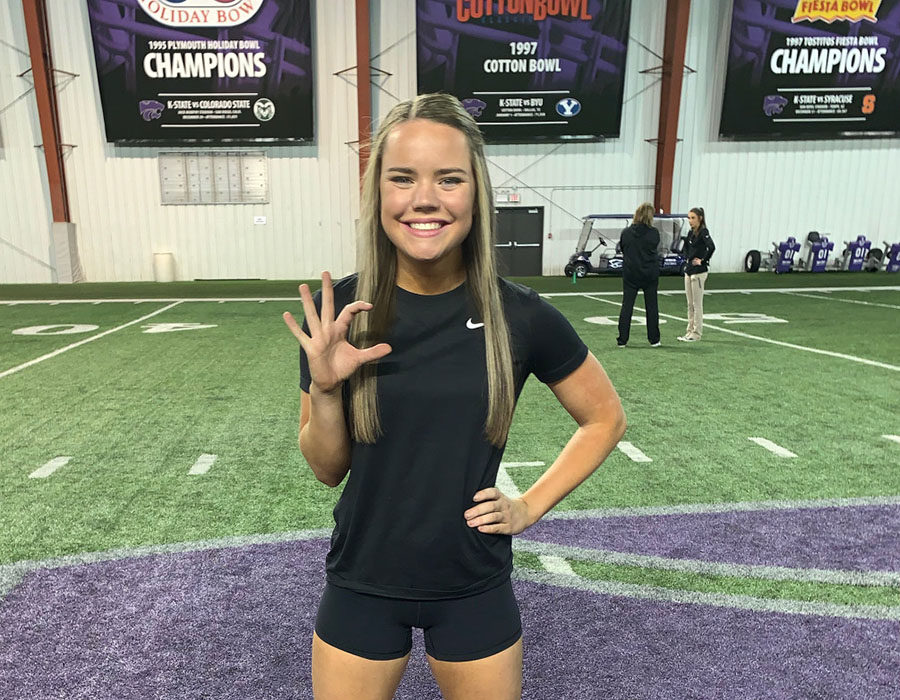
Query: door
pixel 520 241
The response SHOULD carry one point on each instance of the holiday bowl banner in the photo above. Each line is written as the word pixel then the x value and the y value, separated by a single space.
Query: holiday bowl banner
pixel 172 71
pixel 528 69
pixel 812 68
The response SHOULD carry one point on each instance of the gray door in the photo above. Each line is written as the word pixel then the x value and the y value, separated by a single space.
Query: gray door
pixel 520 244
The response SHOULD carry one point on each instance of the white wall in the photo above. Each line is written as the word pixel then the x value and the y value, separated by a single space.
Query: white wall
pixel 758 192
pixel 753 192
pixel 24 196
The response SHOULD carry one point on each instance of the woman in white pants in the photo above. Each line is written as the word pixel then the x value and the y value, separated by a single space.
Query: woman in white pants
pixel 698 249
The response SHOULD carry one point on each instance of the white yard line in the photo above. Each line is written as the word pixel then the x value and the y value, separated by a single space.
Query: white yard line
pixel 506 484
pixel 556 565
pixel 633 453
pixel 203 463
pixel 49 468
pixel 506 465
pixel 772 447
pixel 60 351
pixel 793 346
pixel 845 301
pixel 890 288
pixel 895 438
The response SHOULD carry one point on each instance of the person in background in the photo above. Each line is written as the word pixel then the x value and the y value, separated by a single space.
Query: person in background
pixel 698 249
pixel 640 271
pixel 410 398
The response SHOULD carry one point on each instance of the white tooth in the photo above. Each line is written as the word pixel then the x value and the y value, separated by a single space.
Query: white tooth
pixel 430 226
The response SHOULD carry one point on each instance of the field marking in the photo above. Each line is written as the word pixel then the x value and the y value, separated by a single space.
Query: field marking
pixel 895 438
pixel 772 447
pixel 556 565
pixel 774 290
pixel 723 600
pixel 845 301
pixel 222 300
pixel 506 484
pixel 49 468
pixel 889 579
pixel 793 346
pixel 507 465
pixel 37 360
pixel 203 463
pixel 725 507
pixel 633 453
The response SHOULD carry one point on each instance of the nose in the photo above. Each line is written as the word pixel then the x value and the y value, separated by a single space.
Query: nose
pixel 425 197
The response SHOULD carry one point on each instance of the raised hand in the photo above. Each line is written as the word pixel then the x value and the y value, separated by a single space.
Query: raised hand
pixel 332 359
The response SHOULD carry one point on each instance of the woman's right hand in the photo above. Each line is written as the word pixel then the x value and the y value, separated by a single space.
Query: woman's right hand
pixel 332 359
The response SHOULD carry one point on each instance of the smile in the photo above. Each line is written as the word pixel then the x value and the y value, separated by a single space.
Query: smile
pixel 425 229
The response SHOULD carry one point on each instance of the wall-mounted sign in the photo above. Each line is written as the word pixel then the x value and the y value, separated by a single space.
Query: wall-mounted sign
pixel 194 70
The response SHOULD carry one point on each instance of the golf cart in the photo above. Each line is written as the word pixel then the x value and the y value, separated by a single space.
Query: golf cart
pixel 602 231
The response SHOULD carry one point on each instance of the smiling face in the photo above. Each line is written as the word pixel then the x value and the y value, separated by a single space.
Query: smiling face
pixel 427 197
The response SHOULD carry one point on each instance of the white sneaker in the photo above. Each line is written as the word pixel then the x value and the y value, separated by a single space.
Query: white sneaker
pixel 655 345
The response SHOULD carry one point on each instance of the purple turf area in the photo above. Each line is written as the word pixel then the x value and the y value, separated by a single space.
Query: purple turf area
pixel 861 538
pixel 236 623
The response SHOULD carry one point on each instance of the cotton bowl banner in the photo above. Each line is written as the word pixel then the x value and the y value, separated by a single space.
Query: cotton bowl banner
pixel 812 68
pixel 528 69
pixel 174 71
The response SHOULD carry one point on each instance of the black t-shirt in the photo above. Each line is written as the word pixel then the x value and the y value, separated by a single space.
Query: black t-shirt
pixel 399 525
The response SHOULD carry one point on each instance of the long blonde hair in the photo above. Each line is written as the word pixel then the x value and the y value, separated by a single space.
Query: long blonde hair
pixel 377 268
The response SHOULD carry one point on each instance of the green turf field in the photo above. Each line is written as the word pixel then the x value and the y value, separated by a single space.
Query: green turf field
pixel 816 372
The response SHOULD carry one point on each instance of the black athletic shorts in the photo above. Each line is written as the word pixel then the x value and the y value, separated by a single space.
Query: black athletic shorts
pixel 458 629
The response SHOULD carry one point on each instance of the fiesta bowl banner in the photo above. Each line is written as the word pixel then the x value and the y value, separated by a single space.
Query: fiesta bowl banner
pixel 527 69
pixel 186 70
pixel 808 68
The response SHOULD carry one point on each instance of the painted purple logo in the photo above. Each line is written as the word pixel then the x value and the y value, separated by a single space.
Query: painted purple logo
pixel 773 104
pixel 474 106
pixel 151 109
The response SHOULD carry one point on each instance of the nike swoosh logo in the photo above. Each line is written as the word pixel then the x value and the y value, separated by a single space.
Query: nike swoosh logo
pixel 471 324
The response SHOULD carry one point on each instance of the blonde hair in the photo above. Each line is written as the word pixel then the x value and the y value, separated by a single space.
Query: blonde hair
pixel 644 214
pixel 377 269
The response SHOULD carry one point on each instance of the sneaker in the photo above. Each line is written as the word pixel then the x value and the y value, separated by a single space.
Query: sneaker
pixel 621 345
pixel 683 338
pixel 656 344
pixel 689 339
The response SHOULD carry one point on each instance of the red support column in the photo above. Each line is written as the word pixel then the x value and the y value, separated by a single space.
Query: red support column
pixel 677 14
pixel 36 28
pixel 363 83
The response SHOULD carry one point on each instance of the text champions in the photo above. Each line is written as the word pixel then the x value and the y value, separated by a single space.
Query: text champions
pixel 538 9
pixel 795 61
pixel 204 65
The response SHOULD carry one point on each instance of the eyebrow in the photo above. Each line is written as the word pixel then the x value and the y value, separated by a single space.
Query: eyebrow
pixel 441 171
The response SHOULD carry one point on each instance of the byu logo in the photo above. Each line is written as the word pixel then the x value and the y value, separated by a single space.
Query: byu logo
pixel 264 109
pixel 568 107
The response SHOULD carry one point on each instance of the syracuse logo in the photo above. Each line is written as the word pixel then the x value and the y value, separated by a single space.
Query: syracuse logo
pixel 201 13
pixel 834 10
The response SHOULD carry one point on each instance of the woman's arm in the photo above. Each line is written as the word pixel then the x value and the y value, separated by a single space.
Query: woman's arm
pixel 324 438
pixel 589 397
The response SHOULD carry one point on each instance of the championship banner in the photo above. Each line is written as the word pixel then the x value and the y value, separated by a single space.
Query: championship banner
pixel 807 68
pixel 528 69
pixel 172 71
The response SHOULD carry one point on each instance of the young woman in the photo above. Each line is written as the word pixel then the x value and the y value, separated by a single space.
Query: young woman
pixel 410 371
pixel 640 271
pixel 698 249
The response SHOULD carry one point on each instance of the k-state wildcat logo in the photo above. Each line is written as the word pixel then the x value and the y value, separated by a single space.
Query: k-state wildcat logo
pixel 201 13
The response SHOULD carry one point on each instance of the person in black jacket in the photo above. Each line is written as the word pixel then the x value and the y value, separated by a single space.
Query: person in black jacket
pixel 698 249
pixel 640 271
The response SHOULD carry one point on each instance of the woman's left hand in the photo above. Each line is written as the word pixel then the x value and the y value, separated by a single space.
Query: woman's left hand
pixel 697 261
pixel 497 514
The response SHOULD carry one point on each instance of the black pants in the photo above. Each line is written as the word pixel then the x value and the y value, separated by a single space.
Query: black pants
pixel 630 288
